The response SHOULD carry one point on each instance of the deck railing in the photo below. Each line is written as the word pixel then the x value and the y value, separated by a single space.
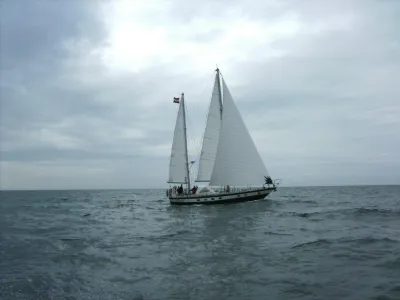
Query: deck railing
pixel 222 190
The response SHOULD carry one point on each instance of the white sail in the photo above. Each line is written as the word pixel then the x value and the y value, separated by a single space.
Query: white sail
pixel 211 134
pixel 178 163
pixel 237 161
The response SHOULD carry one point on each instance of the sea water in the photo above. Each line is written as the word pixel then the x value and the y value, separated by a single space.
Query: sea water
pixel 299 243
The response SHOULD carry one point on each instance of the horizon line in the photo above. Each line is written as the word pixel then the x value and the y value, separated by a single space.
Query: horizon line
pixel 162 188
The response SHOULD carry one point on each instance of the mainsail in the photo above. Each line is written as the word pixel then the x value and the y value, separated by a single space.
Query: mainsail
pixel 211 134
pixel 237 160
pixel 178 166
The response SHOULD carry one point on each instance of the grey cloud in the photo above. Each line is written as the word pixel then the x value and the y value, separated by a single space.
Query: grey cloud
pixel 317 112
pixel 32 36
pixel 32 31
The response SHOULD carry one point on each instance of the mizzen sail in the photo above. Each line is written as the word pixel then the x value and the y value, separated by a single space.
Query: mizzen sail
pixel 178 167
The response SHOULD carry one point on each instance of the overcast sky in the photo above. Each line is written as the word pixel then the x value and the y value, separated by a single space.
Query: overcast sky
pixel 87 88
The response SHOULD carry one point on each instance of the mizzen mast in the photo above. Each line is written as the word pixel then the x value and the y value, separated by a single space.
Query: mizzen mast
pixel 186 148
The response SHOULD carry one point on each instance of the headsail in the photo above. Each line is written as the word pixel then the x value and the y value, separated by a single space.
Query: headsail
pixel 237 160
pixel 178 166
pixel 211 134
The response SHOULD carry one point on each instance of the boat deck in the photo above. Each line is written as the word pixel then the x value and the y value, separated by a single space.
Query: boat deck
pixel 232 192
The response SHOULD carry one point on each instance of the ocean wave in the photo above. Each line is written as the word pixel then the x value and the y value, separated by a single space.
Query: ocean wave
pixel 163 236
pixel 393 263
pixel 376 211
pixel 276 233
pixel 301 214
pixel 302 201
pixel 315 243
pixel 360 241
pixel 363 211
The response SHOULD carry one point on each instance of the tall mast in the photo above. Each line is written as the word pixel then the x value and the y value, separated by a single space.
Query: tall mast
pixel 219 92
pixel 186 149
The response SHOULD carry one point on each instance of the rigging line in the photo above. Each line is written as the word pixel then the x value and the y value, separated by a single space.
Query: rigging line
pixel 206 115
pixel 189 125
pixel 191 136
pixel 222 89
pixel 192 168
pixel 205 87
pixel 195 138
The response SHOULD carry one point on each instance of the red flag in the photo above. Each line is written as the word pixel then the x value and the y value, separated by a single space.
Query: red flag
pixel 176 100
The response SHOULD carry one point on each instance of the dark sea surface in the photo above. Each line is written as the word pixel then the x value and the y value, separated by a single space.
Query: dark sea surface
pixel 299 243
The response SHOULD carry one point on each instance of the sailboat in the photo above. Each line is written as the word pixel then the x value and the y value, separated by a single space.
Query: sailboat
pixel 229 160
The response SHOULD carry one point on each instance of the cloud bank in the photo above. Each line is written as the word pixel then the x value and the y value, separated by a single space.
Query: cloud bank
pixel 87 87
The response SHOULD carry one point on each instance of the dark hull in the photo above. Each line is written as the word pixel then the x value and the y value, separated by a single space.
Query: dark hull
pixel 243 199
pixel 223 198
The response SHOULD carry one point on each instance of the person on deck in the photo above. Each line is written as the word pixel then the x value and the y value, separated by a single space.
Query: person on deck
pixel 194 189
pixel 180 190
pixel 268 181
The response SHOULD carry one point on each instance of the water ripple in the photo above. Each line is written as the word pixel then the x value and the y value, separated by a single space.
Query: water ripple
pixel 301 243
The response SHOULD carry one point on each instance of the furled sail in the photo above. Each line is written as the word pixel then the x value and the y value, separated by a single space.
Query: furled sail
pixel 237 160
pixel 211 134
